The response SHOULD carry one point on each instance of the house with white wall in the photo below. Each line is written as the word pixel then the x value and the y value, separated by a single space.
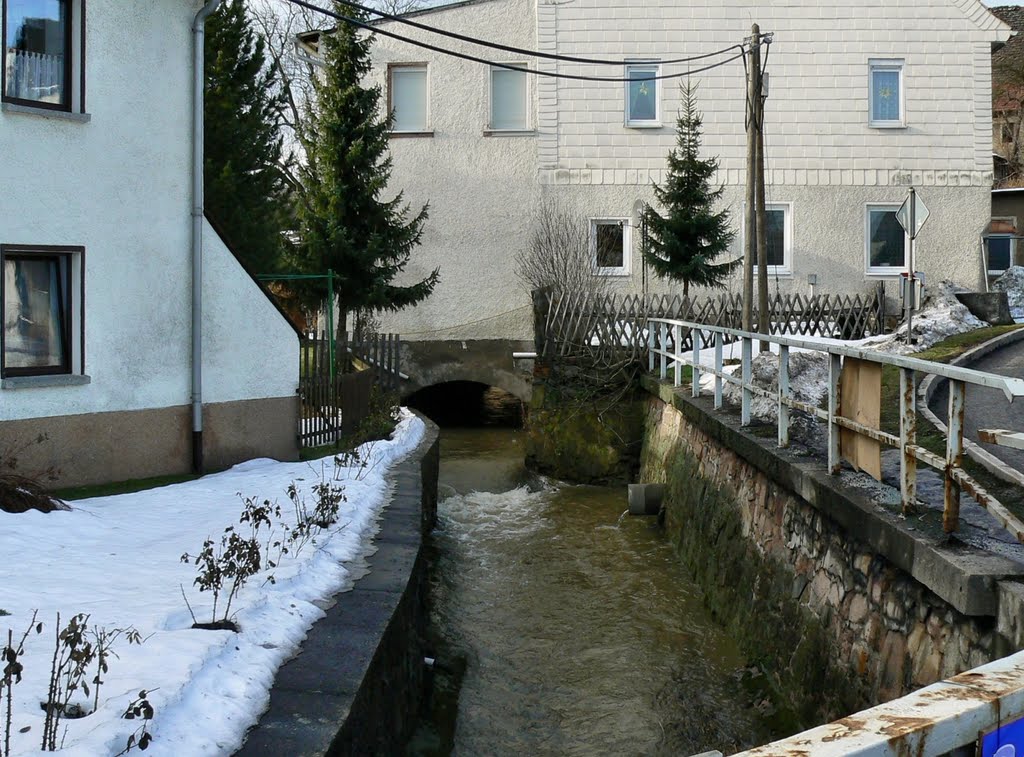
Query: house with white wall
pixel 134 344
pixel 864 101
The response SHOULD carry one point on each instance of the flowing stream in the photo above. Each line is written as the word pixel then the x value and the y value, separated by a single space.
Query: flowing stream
pixel 562 628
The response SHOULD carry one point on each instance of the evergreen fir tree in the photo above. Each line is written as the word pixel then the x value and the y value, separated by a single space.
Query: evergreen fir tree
pixel 683 244
pixel 246 194
pixel 346 226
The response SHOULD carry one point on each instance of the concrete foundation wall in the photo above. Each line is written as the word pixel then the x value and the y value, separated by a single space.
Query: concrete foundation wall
pixel 839 606
pixel 96 448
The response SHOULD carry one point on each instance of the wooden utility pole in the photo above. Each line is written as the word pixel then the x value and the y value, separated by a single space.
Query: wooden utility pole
pixel 764 317
pixel 750 216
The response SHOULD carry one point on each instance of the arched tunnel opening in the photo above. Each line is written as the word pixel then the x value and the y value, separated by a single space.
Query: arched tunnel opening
pixel 468 404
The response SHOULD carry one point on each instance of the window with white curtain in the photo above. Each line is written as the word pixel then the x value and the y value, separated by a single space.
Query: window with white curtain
pixel 886 93
pixel 407 98
pixel 509 98
pixel 43 54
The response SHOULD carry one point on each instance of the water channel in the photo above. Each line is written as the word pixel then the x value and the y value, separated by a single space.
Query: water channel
pixel 561 627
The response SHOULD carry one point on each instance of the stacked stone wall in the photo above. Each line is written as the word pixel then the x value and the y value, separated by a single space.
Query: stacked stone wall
pixel 835 625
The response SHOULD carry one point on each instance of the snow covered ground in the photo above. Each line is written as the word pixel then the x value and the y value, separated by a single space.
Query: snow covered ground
pixel 117 559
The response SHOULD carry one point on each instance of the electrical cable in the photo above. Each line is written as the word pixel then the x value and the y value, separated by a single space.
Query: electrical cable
pixel 518 50
pixel 512 67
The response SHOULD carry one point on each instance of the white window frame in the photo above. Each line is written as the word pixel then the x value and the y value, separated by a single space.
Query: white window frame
pixel 1013 245
pixel 411 66
pixel 632 123
pixel 887 64
pixel 786 269
pixel 627 247
pixel 527 93
pixel 882 271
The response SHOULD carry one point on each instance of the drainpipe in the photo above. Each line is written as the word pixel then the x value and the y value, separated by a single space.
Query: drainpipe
pixel 199 79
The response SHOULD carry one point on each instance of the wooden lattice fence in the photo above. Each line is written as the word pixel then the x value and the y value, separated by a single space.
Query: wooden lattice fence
pixel 613 329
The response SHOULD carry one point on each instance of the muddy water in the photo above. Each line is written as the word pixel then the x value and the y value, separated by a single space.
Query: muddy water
pixel 561 628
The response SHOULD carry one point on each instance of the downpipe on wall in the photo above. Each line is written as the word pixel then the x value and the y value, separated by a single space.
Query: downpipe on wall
pixel 198 134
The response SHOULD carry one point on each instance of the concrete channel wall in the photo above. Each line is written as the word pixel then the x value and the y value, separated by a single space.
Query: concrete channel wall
pixel 355 687
pixel 841 601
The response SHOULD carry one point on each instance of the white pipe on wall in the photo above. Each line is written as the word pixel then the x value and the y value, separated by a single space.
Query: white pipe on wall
pixel 198 125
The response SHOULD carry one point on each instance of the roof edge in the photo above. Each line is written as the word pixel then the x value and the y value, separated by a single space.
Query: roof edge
pixel 984 19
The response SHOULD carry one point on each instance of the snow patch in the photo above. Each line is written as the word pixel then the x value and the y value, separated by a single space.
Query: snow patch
pixel 1012 282
pixel 117 559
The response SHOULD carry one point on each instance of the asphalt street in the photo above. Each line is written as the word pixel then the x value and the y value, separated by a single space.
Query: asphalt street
pixel 988 408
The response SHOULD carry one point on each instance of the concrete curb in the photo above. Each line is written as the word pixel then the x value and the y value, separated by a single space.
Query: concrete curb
pixel 931 384
pixel 355 686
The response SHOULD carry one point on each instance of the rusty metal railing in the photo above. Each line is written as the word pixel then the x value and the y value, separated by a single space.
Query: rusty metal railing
pixel 666 338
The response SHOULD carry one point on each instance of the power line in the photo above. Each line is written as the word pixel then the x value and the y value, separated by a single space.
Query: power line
pixel 522 51
pixel 512 67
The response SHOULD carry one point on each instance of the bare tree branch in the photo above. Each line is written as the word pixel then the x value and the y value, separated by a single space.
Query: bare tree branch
pixel 559 254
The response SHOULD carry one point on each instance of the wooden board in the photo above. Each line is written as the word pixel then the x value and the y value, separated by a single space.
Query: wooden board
pixel 860 400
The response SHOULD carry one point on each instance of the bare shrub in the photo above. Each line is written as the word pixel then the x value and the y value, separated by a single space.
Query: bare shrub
pixel 559 256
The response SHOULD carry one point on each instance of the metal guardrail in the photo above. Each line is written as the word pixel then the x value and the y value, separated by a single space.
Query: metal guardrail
pixel 665 350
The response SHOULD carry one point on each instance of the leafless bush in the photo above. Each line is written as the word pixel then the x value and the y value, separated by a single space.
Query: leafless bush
pixel 559 255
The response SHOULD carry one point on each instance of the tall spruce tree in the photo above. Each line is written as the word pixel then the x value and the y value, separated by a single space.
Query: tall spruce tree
pixel 346 225
pixel 683 244
pixel 246 194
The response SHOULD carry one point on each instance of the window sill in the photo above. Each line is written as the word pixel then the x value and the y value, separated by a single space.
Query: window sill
pixel 404 134
pixel 611 273
pixel 886 125
pixel 509 132
pixel 894 274
pixel 60 115
pixel 775 274
pixel 651 125
pixel 41 382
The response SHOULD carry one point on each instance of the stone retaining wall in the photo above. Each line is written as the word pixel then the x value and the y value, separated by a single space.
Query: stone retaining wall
pixel 356 686
pixel 829 596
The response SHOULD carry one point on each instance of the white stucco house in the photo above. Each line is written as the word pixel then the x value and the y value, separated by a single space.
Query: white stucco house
pixel 100 339
pixel 865 99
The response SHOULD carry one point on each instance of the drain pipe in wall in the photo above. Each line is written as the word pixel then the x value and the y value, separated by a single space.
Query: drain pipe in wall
pixel 199 81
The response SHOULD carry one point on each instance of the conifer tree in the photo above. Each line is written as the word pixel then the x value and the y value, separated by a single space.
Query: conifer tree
pixel 245 192
pixel 347 225
pixel 683 244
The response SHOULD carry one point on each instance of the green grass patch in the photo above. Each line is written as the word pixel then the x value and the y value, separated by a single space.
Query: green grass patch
pixel 930 437
pixel 123 487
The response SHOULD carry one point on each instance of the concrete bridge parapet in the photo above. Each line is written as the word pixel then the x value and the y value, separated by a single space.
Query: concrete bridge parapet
pixel 484 361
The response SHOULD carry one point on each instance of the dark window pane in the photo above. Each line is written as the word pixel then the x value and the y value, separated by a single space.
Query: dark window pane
pixel 775 228
pixel 888 240
pixel 36 50
pixel 999 253
pixel 609 246
pixel 643 94
pixel 35 312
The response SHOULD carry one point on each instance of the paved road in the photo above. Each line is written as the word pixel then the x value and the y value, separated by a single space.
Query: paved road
pixel 988 408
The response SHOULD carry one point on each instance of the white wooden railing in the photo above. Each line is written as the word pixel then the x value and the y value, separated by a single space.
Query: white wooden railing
pixel 666 338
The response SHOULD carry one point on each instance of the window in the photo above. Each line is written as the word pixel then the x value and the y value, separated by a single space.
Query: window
pixel 42 310
pixel 886 241
pixel 610 246
pixel 43 50
pixel 509 99
pixel 886 93
pixel 643 98
pixel 779 238
pixel 1002 245
pixel 407 98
